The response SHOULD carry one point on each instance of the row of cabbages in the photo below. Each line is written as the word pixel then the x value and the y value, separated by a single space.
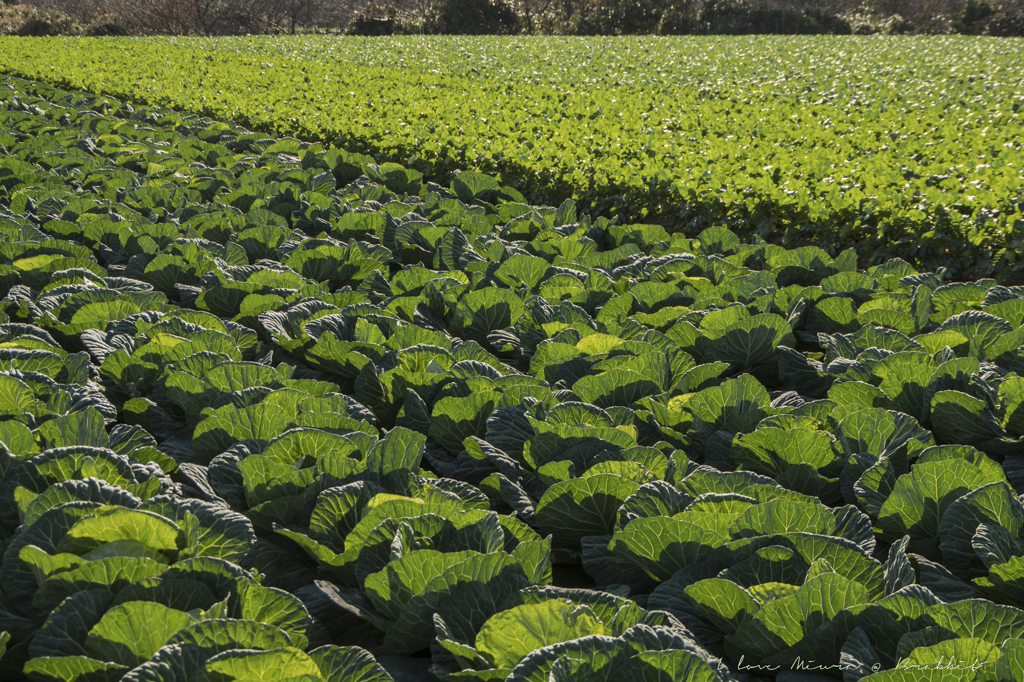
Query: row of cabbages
pixel 268 409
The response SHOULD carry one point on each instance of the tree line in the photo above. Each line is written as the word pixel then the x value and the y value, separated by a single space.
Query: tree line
pixel 506 17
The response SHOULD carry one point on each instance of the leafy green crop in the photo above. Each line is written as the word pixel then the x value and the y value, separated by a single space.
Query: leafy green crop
pixel 271 412
pixel 906 147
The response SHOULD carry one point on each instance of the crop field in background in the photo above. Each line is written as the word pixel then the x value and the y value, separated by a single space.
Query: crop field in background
pixel 274 409
pixel 900 146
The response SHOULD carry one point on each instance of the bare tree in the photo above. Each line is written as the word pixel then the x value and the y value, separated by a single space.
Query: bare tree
pixel 286 16
pixel 220 17
pixel 299 12
pixel 197 17
pixel 531 10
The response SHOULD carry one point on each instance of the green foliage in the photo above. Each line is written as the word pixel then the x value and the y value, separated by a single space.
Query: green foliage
pixel 270 411
pixel 107 25
pixel 375 20
pixel 973 18
pixel 471 17
pixel 1008 21
pixel 52 23
pixel 640 166
pixel 865 19
pixel 739 17
pixel 620 17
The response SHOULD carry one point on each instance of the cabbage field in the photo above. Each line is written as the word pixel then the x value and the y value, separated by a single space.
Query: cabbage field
pixel 273 409
pixel 897 146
